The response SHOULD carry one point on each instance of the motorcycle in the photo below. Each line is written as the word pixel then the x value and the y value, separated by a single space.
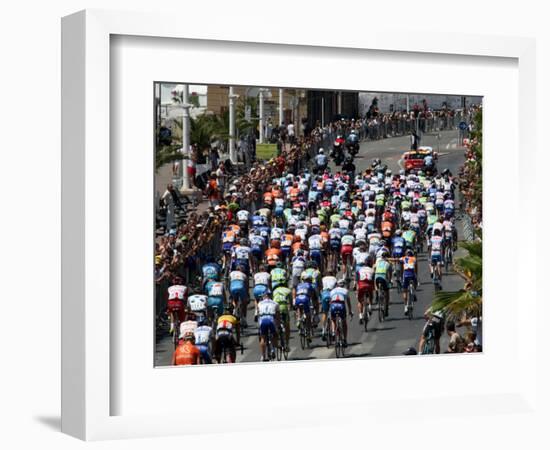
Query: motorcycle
pixel 337 152
pixel 353 148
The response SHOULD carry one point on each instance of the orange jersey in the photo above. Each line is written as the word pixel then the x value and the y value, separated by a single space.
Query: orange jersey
pixel 186 354
pixel 273 255
pixel 387 226
pixel 297 246
pixel 268 198
pixel 286 240
pixel 324 236
pixel 235 228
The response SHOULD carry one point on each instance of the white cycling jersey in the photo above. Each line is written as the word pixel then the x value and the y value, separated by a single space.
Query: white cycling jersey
pixel 347 239
pixel 360 257
pixel 268 307
pixel 329 283
pixel 276 233
pixel 177 292
pixel 335 234
pixel 365 273
pixel 243 215
pixel 262 278
pixel 237 275
pixel 315 242
pixel 241 252
pixel 435 244
pixel 202 335
pixel 198 302
pixel 215 289
pixel 188 327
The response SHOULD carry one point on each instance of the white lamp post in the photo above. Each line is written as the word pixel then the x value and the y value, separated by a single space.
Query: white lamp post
pixel 281 118
pixel 232 152
pixel 185 136
pixel 262 125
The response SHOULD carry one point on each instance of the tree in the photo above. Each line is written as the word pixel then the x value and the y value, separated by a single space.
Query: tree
pixel 467 301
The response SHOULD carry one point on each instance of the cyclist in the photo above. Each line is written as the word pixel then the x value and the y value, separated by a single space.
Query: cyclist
pixel 409 236
pixel 282 296
pixel 257 246
pixel 398 245
pixel 432 330
pixel 321 161
pixel 262 281
pixel 382 275
pixel 410 269
pixel 227 335
pixel 346 250
pixel 216 297
pixel 365 287
pixel 339 299
pixel 328 284
pixel 297 265
pixel 241 256
pixel 435 246
pixel 211 271
pixel 238 290
pixel 186 353
pixel 315 244
pixel 203 340
pixel 301 297
pixel 198 304
pixel 279 276
pixel 268 319
pixel 177 297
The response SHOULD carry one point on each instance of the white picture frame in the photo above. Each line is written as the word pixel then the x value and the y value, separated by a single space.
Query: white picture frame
pixel 87 238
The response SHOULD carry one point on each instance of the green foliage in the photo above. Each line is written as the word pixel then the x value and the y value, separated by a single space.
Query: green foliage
pixel 469 300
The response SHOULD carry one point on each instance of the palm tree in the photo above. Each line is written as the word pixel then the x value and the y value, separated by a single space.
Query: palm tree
pixel 467 301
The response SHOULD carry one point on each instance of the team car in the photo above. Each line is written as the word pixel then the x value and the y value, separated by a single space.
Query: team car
pixel 419 160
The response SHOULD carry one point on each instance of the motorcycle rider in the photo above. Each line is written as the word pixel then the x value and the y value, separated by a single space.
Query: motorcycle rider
pixel 321 161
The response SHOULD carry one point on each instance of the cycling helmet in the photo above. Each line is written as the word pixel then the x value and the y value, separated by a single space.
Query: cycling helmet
pixel 361 217
pixel 243 241
pixel 341 282
pixel 177 280
pixel 209 259
pixel 279 265
pixel 384 254
pixel 409 252
pixel 321 151
pixel 398 232
pixel 240 268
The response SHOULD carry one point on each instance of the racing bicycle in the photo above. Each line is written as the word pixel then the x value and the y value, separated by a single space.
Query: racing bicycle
pixel 339 345
pixel 304 329
pixel 282 347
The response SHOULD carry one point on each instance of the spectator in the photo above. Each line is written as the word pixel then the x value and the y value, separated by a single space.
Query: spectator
pixel 456 343
pixel 168 200
pixel 213 191
pixel 290 133
pixel 214 157
pixel 221 176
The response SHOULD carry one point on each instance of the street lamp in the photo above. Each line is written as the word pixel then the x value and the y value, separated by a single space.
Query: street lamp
pixel 261 113
pixel 185 133
pixel 232 152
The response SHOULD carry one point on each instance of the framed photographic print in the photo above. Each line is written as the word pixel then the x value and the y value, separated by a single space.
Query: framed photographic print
pixel 253 211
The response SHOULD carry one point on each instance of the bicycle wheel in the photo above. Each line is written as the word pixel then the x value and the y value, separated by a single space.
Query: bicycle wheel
pixel 175 335
pixel 338 341
pixel 328 335
pixel 365 318
pixel 380 298
pixel 341 334
pixel 410 301
pixel 303 336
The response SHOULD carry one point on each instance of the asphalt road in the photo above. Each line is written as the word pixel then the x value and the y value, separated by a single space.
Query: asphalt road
pixel 397 332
